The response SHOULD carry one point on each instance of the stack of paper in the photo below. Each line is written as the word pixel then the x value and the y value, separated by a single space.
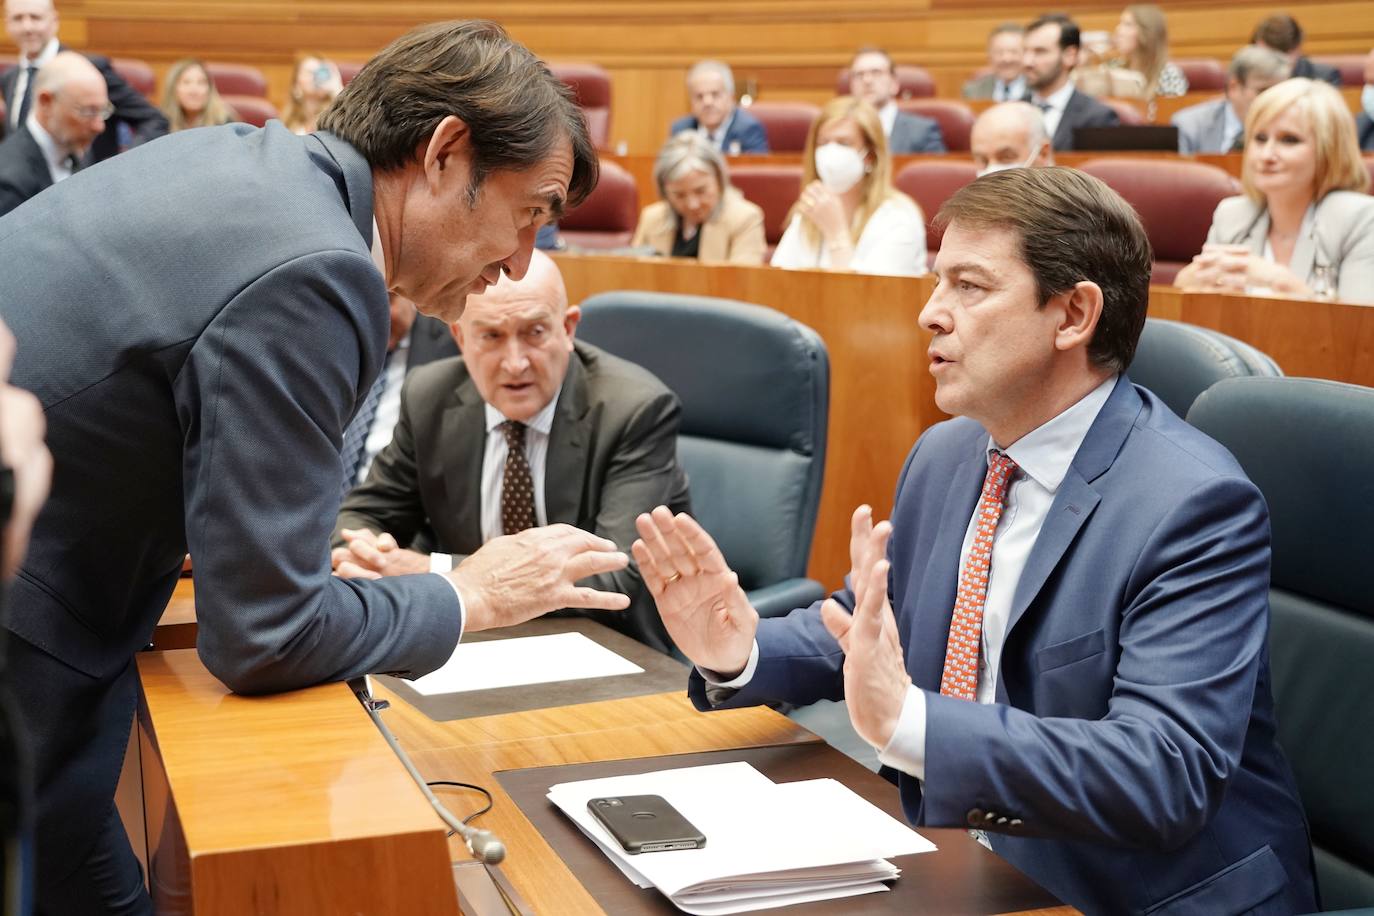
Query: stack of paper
pixel 521 661
pixel 767 844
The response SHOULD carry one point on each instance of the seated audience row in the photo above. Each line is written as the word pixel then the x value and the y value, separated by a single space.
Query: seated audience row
pixel 1218 126
pixel 1302 228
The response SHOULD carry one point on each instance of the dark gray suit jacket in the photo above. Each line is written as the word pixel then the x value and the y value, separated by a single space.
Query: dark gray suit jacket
pixel 1082 111
pixel 612 455
pixel 23 170
pixel 913 133
pixel 199 318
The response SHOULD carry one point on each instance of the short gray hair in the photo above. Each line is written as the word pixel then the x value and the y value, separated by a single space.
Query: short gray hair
pixel 686 152
pixel 713 66
pixel 1252 60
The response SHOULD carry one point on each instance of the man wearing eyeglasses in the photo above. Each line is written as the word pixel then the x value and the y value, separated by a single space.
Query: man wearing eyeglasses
pixel 70 107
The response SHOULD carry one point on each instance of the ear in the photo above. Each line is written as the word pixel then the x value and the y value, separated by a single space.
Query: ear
pixel 456 329
pixel 570 319
pixel 1070 56
pixel 1082 309
pixel 449 147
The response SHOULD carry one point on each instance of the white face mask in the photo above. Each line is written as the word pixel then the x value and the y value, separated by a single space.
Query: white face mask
pixel 1003 166
pixel 1367 99
pixel 840 167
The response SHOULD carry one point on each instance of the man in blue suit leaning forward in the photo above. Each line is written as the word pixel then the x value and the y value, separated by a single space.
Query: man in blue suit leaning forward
pixel 1059 640
pixel 200 318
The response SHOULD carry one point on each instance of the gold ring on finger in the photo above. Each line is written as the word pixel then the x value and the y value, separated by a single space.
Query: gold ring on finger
pixel 671 579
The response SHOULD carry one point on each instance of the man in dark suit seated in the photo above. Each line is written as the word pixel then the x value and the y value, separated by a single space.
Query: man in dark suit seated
pixel 711 93
pixel 1281 32
pixel 1217 126
pixel 873 78
pixel 1005 80
pixel 599 447
pixel 1052 49
pixel 1060 640
pixel 32 25
pixel 69 111
pixel 200 318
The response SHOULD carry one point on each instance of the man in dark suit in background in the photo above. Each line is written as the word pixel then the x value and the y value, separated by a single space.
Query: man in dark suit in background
pixel 1052 49
pixel 1364 121
pixel 1281 32
pixel 205 408
pixel 711 93
pixel 873 78
pixel 69 111
pixel 1005 80
pixel 32 25
pixel 599 447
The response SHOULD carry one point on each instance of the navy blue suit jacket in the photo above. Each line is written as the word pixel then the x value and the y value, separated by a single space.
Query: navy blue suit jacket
pixel 744 129
pixel 1133 733
pixel 913 133
pixel 199 318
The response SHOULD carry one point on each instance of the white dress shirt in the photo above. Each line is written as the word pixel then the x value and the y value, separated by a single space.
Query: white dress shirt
pixel 1232 128
pixel 58 166
pixel 494 456
pixel 888 116
pixel 892 244
pixel 388 406
pixel 1057 102
pixel 717 136
pixel 1008 92
pixel 21 84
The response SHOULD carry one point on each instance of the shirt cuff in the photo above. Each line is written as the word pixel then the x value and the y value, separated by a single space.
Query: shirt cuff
pixel 462 611
pixel 441 563
pixel 906 749
pixel 740 680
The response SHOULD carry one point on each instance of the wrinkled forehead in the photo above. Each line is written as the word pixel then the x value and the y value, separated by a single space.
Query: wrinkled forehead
pixel 29 8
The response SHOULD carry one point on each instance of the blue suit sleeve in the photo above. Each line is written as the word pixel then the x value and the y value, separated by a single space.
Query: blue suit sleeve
pixel 753 138
pixel 263 400
pixel 934 139
pixel 1153 770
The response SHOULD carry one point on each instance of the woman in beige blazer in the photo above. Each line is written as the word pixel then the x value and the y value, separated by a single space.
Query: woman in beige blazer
pixel 1304 228
pixel 700 216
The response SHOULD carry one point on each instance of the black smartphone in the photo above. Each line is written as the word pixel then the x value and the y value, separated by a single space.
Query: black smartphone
pixel 645 823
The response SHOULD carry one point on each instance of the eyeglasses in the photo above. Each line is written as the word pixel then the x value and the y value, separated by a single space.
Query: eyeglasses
pixel 91 112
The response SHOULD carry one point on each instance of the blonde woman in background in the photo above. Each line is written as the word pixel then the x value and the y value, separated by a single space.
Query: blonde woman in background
pixel 1141 42
pixel 850 217
pixel 313 86
pixel 700 216
pixel 1304 228
pixel 189 98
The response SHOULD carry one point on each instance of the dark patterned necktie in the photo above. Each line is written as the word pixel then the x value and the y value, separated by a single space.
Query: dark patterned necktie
pixel 517 486
pixel 27 100
pixel 355 436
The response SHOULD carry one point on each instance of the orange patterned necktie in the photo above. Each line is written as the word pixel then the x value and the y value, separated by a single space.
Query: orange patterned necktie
pixel 966 626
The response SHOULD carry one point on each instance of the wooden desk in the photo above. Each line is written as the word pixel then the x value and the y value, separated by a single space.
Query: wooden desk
pixel 292 803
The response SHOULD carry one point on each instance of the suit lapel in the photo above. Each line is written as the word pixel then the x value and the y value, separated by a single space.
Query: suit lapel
pixel 930 632
pixel 38 163
pixel 1077 498
pixel 462 457
pixel 1063 134
pixel 567 459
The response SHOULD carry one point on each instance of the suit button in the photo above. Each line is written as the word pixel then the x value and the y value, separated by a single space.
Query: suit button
pixel 989 818
pixel 975 817
pixel 1015 825
pixel 1001 822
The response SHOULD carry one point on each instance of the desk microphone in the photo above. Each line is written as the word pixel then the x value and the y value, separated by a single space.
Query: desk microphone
pixel 483 844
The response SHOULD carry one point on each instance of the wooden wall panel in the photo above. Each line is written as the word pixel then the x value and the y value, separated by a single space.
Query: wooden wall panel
pixel 786 49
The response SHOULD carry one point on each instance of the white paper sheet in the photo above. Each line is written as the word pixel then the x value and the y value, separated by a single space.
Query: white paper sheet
pixel 767 844
pixel 523 660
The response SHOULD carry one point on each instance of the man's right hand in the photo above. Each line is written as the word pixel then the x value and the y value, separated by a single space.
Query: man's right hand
pixel 698 596
pixel 519 576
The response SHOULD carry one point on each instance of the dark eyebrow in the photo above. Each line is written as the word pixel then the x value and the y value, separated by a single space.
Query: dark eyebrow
pixel 555 204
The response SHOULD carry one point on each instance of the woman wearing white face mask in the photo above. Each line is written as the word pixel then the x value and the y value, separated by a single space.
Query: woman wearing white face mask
pixel 850 217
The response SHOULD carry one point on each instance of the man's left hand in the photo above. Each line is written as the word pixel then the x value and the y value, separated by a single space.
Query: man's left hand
pixel 875 676
pixel 370 556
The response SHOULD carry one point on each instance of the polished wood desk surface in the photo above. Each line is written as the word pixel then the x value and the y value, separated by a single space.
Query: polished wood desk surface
pixel 252 777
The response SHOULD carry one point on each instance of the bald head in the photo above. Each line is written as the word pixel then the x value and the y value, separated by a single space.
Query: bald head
pixel 31 24
pixel 1009 135
pixel 70 102
pixel 517 338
